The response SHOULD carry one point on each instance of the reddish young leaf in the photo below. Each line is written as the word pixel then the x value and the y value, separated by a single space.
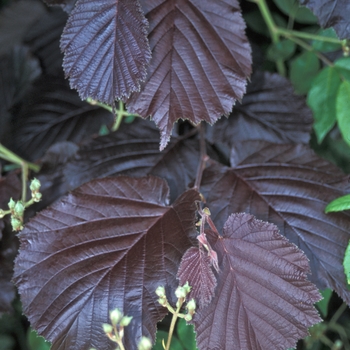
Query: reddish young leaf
pixel 201 60
pixel 195 268
pixel 106 48
pixel 269 111
pixel 332 13
pixel 108 244
pixel 288 185
pixel 263 299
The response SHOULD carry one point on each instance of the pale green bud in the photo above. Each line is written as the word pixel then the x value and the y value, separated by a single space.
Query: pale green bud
pixel 188 318
pixel 125 321
pixel 191 306
pixel 2 213
pixel 11 204
pixel 16 224
pixel 115 316
pixel 187 287
pixel 162 301
pixel 144 344
pixel 160 291
pixel 206 211
pixel 180 293
pixel 19 209
pixel 36 196
pixel 107 328
pixel 35 185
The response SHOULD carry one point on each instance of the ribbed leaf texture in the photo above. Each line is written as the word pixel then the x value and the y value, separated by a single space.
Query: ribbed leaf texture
pixel 196 269
pixel 201 60
pixel 332 13
pixel 105 48
pixel 290 186
pixel 269 111
pixel 107 245
pixel 263 299
pixel 134 150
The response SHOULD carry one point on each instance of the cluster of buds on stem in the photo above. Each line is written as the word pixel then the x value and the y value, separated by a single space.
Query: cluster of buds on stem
pixel 115 331
pixel 181 293
pixel 35 188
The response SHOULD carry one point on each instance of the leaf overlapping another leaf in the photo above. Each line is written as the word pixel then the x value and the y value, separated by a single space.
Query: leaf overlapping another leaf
pixel 290 186
pixel 263 293
pixel 332 13
pixel 106 48
pixel 107 245
pixel 201 60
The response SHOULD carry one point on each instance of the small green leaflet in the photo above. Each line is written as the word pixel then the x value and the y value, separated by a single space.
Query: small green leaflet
pixel 346 263
pixel 339 204
pixel 343 110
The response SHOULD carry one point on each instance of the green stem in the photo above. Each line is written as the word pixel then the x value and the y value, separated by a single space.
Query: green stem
pixel 309 36
pixel 172 325
pixel 273 29
pixel 8 155
pixel 308 47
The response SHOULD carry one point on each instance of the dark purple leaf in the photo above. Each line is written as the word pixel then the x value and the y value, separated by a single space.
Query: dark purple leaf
pixel 195 268
pixel 269 111
pixel 290 186
pixel 134 150
pixel 108 244
pixel 106 48
pixel 67 5
pixel 15 20
pixel 17 71
pixel 332 13
pixel 263 299
pixel 43 38
pixel 10 186
pixel 52 112
pixel 201 60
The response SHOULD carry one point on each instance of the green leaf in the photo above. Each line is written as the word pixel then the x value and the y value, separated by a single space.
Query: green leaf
pixel 36 342
pixel 322 305
pixel 322 100
pixel 303 69
pixel 339 204
pixel 346 263
pixel 300 14
pixel 175 344
pixel 186 335
pixel 343 67
pixel 343 110
pixel 325 46
pixel 281 50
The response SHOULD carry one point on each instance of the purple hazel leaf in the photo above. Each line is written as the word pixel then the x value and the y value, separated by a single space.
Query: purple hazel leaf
pixel 109 244
pixel 195 268
pixel 262 295
pixel 201 60
pixel 106 49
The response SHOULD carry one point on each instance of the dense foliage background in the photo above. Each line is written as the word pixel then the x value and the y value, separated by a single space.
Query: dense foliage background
pixel 260 163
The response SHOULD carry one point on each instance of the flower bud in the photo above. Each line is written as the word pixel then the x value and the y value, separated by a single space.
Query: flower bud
pixel 191 306
pixel 11 204
pixel 180 293
pixel 125 321
pixel 107 328
pixel 36 196
pixel 162 301
pixel 2 213
pixel 16 224
pixel 206 211
pixel 160 291
pixel 187 287
pixel 35 185
pixel 144 344
pixel 115 316
pixel 19 209
pixel 188 318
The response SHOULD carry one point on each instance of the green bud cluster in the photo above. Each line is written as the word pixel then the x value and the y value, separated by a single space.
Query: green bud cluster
pixel 35 188
pixel 160 291
pixel 144 344
pixel 115 331
pixel 17 211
